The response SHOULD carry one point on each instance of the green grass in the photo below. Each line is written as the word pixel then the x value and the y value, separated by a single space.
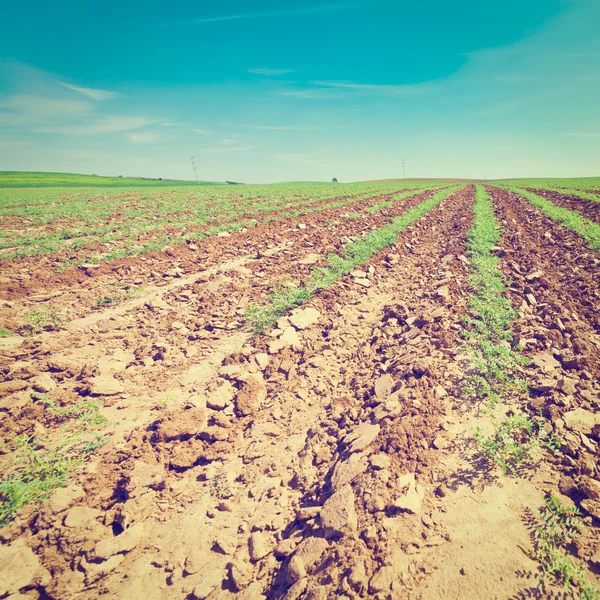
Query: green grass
pixel 40 179
pixel 47 318
pixel 487 328
pixel 355 254
pixel 587 229
pixel 558 525
pixel 549 183
pixel 130 221
pixel 39 465
pixel 5 332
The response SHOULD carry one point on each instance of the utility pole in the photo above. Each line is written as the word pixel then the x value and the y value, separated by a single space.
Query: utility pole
pixel 194 167
pixel 403 170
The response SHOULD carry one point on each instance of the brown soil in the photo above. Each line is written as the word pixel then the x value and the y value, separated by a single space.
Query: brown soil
pixel 588 208
pixel 331 457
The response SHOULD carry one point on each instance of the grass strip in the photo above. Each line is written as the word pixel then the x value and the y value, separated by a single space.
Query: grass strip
pixel 354 254
pixel 39 465
pixel 587 229
pixel 493 369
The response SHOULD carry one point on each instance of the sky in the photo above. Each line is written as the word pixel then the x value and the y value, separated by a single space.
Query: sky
pixel 269 91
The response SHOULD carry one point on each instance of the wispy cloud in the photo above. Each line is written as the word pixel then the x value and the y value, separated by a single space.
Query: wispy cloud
pixel 583 134
pixel 104 125
pixel 514 78
pixel 201 131
pixel 142 138
pixel 272 127
pixel 92 93
pixel 290 12
pixel 370 87
pixel 270 72
pixel 227 149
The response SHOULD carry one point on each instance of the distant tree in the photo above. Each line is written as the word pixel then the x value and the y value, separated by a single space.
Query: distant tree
pixel 334 180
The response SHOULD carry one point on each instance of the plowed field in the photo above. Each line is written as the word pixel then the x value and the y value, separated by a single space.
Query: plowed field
pixel 369 391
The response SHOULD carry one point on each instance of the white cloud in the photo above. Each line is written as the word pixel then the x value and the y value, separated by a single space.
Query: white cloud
pixel 273 127
pixel 371 87
pixel 142 138
pixel 110 124
pixel 92 93
pixel 202 131
pixel 583 134
pixel 228 149
pixel 270 72
pixel 309 10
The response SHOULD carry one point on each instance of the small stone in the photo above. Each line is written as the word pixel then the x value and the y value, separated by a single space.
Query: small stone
pixel 262 360
pixel 441 442
pixel 289 338
pixel 222 397
pixel 412 496
pixel 82 516
pixel 295 570
pixel 363 282
pixel 382 581
pixel 362 437
pixel 303 319
pixel 105 385
pixel 20 568
pixel 592 507
pixel 380 461
pixel 258 546
pixel 443 292
pixel 62 498
pixel 251 395
pixel 347 471
pixel 338 515
pixel 120 544
pixel 590 487
pixel 311 550
pixel 44 383
pixel 384 386
pixel 581 420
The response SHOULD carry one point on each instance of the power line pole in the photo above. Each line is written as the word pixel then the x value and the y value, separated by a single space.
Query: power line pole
pixel 194 167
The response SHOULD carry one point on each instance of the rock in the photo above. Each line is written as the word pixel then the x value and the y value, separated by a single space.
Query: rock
pixel 120 544
pixel 362 437
pixel 357 577
pixel 95 571
pixel 285 548
pixel 347 471
pixel 545 361
pixel 581 420
pixel 382 581
pixel 258 546
pixel 289 338
pixel 44 383
pixel 223 234
pixel 105 385
pixel 384 386
pixel 443 292
pixel 412 496
pixel 222 397
pixel 595 558
pixel 20 568
pixel 143 476
pixel 592 507
pixel 338 515
pixel 11 386
pixel 297 590
pixel 311 550
pixel 441 442
pixel 251 395
pixel 62 498
pixel 590 487
pixel 82 517
pixel 301 225
pixel 543 385
pixel 262 360
pixel 295 570
pixel 310 259
pixel 363 282
pixel 380 461
pixel 303 319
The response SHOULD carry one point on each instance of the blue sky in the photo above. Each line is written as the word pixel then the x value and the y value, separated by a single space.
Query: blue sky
pixel 270 91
